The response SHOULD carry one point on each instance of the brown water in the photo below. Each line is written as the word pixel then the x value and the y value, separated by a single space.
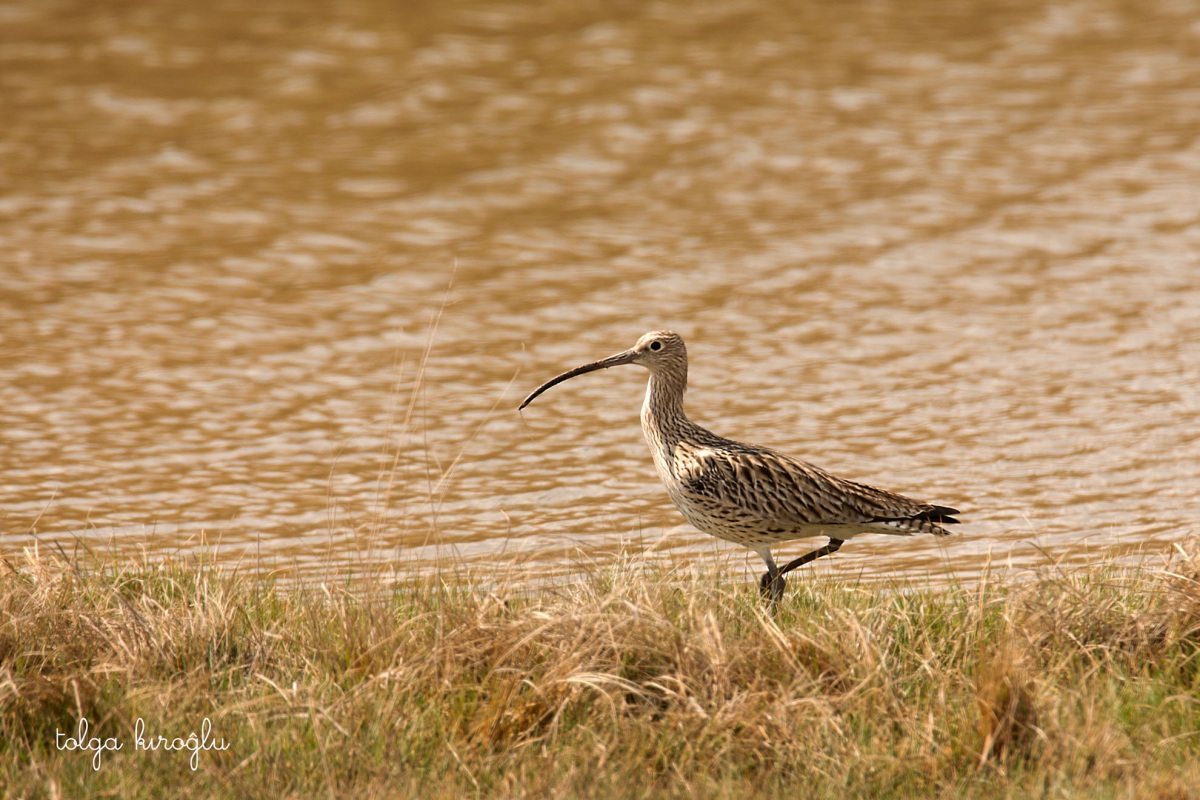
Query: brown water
pixel 950 249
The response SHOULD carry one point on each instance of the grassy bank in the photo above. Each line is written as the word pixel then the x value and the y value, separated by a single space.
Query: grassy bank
pixel 633 683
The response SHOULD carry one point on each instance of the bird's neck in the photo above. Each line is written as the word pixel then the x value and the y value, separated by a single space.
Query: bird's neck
pixel 663 419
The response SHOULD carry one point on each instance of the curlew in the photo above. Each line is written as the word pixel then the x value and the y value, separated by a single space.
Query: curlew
pixel 750 495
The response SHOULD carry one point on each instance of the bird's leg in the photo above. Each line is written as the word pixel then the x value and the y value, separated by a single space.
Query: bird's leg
pixel 832 547
pixel 772 584
pixel 771 587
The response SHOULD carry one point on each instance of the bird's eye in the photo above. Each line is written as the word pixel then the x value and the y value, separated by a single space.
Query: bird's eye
pixel 656 345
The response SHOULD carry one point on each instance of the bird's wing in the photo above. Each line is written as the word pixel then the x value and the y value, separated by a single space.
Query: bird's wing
pixel 782 491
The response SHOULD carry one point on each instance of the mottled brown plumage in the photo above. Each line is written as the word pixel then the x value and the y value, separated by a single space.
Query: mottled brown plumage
pixel 751 495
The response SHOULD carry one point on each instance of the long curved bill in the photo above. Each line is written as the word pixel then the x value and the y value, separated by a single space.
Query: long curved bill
pixel 625 357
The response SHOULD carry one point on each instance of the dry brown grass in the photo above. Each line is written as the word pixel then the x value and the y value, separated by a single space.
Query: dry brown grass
pixel 633 683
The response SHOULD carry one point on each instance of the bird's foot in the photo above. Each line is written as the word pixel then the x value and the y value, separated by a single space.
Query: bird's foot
pixel 771 587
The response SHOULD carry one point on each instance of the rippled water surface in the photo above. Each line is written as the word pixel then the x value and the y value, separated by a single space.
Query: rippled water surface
pixel 274 277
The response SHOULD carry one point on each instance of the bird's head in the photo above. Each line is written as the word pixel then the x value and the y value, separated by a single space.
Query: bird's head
pixel 657 351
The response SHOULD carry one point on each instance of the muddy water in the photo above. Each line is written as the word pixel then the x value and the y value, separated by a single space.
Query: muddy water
pixel 274 277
